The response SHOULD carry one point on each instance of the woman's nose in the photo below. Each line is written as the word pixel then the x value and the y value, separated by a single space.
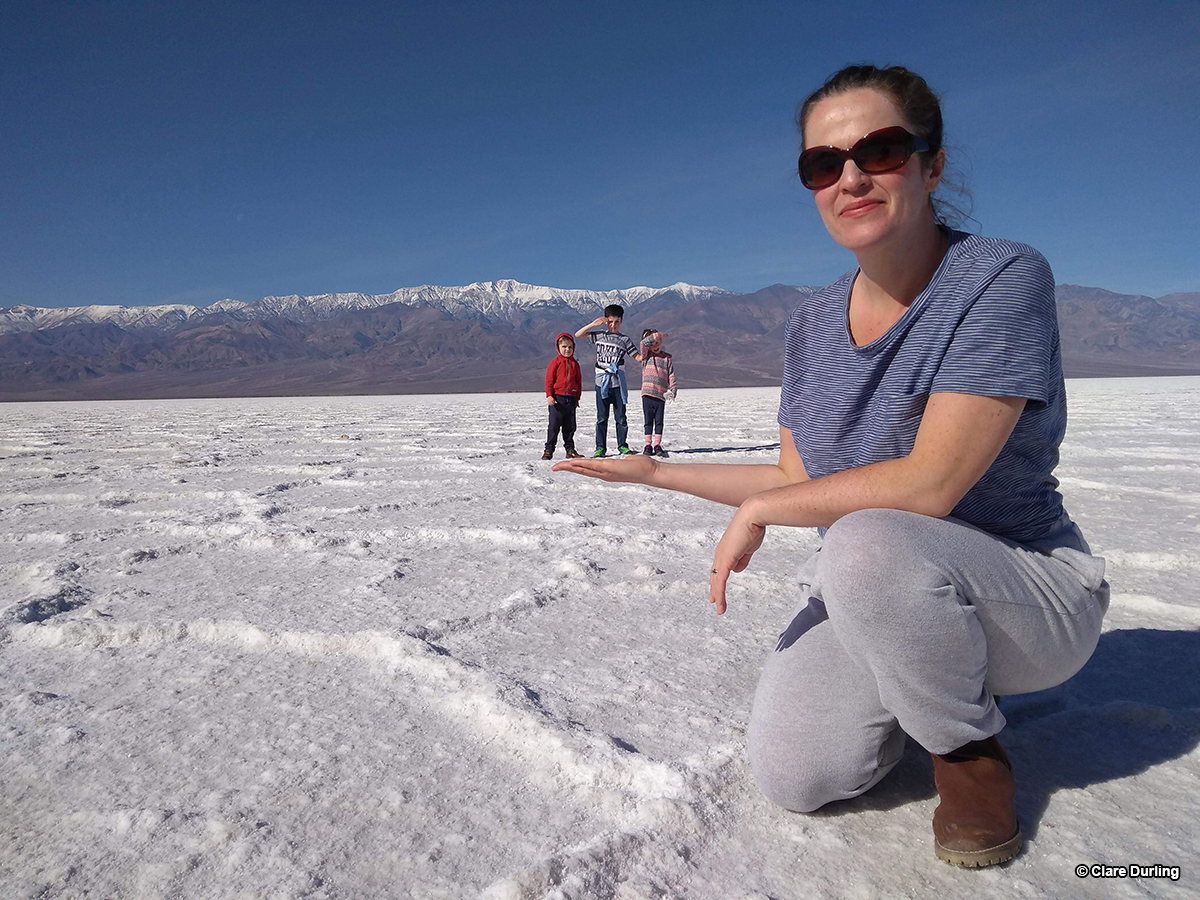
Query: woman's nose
pixel 852 176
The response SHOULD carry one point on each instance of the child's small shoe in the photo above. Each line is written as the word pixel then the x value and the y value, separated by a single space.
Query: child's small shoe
pixel 571 454
pixel 659 451
pixel 647 450
pixel 548 454
pixel 625 451
pixel 600 451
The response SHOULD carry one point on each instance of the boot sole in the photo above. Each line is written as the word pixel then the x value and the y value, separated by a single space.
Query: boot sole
pixel 978 859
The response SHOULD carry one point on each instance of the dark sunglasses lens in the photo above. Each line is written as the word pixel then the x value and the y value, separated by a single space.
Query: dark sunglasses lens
pixel 819 169
pixel 883 152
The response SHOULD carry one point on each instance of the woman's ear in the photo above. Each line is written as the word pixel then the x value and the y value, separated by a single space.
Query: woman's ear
pixel 936 168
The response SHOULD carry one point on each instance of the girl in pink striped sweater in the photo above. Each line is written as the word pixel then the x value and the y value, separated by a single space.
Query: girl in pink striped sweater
pixel 658 386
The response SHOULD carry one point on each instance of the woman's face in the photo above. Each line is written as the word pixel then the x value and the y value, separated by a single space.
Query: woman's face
pixel 864 211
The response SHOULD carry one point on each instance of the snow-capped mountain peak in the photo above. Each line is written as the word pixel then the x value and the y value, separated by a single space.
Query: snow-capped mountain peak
pixel 36 318
pixel 502 298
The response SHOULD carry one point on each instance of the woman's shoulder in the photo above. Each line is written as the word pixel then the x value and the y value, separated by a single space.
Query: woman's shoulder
pixel 1000 269
pixel 997 277
pixel 979 250
pixel 816 300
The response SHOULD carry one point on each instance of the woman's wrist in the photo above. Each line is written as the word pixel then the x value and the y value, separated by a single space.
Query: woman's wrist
pixel 754 510
pixel 652 479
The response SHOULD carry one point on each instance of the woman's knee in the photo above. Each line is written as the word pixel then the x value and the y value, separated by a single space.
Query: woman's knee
pixel 805 777
pixel 787 742
pixel 867 554
pixel 807 746
pixel 865 536
pixel 787 776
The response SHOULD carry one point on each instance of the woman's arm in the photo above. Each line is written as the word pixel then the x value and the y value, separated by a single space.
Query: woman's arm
pixel 727 483
pixel 959 438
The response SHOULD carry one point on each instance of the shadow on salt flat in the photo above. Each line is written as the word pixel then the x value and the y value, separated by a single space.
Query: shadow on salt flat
pixel 1134 706
pixel 774 446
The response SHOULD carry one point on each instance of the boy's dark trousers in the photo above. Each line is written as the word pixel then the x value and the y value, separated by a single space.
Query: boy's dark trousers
pixel 562 415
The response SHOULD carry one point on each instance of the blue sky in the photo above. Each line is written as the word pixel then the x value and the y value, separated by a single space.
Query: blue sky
pixel 156 152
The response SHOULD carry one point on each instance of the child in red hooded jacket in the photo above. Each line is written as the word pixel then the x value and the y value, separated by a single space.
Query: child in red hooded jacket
pixel 563 385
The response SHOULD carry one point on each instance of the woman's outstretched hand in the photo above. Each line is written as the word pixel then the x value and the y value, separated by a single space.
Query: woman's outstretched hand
pixel 741 539
pixel 633 469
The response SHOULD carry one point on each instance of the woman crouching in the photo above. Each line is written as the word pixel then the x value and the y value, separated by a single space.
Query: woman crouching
pixel 920 417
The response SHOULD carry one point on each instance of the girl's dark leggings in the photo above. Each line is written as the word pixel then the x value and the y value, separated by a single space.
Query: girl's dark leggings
pixel 652 411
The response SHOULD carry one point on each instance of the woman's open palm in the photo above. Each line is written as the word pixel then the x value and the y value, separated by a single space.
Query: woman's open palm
pixel 633 469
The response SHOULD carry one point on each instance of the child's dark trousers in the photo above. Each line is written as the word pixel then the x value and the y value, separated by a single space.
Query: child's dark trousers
pixel 562 416
pixel 652 412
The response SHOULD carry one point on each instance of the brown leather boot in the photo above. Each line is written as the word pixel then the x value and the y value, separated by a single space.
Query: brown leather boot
pixel 976 822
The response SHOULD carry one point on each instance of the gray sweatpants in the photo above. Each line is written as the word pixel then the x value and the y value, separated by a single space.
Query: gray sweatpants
pixel 912 624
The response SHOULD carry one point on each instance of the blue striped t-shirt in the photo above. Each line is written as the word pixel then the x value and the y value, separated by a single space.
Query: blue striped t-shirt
pixel 985 324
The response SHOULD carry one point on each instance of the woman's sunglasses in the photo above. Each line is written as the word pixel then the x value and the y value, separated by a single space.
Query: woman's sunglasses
pixel 885 150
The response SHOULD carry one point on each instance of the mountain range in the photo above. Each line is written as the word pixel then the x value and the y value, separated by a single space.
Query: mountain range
pixel 487 336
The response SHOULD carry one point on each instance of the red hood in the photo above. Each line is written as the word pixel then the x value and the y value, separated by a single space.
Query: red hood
pixel 566 334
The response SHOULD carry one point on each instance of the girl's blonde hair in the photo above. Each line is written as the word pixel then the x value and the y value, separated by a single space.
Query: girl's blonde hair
pixel 648 333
